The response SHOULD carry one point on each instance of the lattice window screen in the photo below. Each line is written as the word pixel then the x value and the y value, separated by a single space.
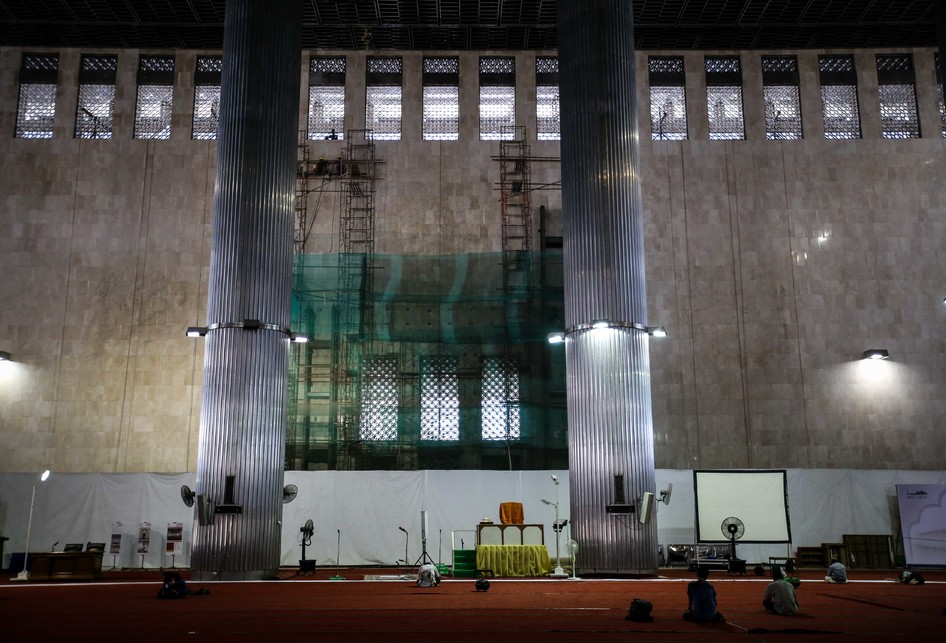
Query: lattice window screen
pixel 842 119
pixel 327 100
pixel 439 398
pixel 94 116
pixel 206 112
pixel 668 114
pixel 383 112
pixel 441 113
pixel 942 109
pixel 326 112
pixel 726 121
pixel 500 399
pixel 153 112
pixel 782 112
pixel 548 122
pixel 36 107
pixel 36 110
pixel 497 111
pixel 897 90
pixel 207 100
pixel 898 112
pixel 96 100
pixel 379 399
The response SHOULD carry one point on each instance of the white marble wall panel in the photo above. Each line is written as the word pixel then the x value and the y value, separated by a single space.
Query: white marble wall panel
pixel 774 265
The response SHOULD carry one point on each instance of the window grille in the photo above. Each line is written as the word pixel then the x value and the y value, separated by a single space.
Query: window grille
pixel 724 99
pixel 897 90
pixel 383 98
pixel 379 399
pixel 942 109
pixel 842 119
pixel 668 108
pixel 500 399
pixel 36 106
pixel 96 102
pixel 548 121
pixel 440 398
pixel 326 98
pixel 441 113
pixel 497 98
pixel 782 98
pixel 207 97
pixel 497 65
pixel 155 94
pixel 726 122
pixel 441 99
pixel 383 113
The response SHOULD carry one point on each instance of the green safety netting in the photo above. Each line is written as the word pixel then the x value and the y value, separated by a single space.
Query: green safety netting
pixel 427 362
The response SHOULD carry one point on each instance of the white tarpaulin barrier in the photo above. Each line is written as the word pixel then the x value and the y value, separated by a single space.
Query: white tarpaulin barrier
pixel 359 513
pixel 923 523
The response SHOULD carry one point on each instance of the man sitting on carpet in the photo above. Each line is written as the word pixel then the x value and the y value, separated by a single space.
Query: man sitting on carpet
pixel 779 595
pixel 701 600
pixel 836 572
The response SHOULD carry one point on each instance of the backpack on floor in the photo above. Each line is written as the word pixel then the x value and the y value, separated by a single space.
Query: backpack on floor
pixel 640 610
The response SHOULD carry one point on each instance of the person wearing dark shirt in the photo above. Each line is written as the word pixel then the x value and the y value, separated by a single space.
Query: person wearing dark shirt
pixel 701 600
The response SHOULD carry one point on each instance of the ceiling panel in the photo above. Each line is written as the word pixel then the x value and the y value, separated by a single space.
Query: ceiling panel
pixel 476 24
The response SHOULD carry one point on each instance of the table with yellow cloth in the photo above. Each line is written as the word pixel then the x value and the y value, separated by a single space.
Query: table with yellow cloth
pixel 514 560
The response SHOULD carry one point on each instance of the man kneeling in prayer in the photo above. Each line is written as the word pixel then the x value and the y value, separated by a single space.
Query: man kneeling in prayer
pixel 428 575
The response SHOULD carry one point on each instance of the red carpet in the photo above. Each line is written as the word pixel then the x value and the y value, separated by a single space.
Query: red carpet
pixel 124 608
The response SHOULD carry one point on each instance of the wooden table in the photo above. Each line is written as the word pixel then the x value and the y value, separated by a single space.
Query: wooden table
pixel 61 565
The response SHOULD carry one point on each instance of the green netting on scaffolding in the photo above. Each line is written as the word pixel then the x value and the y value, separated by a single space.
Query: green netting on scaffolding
pixel 427 362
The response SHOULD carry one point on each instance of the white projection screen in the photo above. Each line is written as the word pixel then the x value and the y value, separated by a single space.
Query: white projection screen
pixel 759 498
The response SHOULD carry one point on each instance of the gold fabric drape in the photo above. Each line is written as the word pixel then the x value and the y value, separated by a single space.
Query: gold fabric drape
pixel 514 560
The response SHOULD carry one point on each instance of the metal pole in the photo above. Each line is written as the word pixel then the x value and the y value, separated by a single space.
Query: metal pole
pixel 29 527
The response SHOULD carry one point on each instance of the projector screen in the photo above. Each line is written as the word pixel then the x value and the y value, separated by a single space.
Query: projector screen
pixel 758 498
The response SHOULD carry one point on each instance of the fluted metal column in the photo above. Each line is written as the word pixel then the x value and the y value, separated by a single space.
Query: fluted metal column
pixel 610 425
pixel 243 408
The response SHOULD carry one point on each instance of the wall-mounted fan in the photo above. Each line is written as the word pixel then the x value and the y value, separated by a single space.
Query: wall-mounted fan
pixel 188 495
pixel 571 548
pixel 665 494
pixel 733 529
pixel 289 493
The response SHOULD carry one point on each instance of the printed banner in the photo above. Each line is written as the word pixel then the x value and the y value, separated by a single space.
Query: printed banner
pixel 923 523
pixel 144 538
pixel 115 547
pixel 175 540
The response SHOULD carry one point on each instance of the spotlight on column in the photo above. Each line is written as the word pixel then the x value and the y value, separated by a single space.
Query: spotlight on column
pixel 656 331
pixel 196 331
pixel 877 353
pixel 5 356
pixel 298 338
pixel 556 338
pixel 601 323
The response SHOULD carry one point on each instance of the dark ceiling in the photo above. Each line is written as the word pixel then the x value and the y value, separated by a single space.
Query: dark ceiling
pixel 476 24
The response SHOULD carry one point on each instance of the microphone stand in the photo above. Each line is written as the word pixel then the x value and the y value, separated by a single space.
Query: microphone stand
pixel 406 539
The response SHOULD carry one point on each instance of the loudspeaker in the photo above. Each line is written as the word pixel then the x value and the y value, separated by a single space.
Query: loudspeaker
pixel 647 508
pixel 204 514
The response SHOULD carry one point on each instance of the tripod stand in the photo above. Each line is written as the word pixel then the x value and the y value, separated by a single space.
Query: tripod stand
pixel 424 556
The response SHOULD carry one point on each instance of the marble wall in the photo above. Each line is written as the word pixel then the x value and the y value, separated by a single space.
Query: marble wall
pixel 773 264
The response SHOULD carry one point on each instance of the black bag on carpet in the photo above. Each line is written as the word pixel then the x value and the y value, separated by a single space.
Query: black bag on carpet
pixel 640 610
